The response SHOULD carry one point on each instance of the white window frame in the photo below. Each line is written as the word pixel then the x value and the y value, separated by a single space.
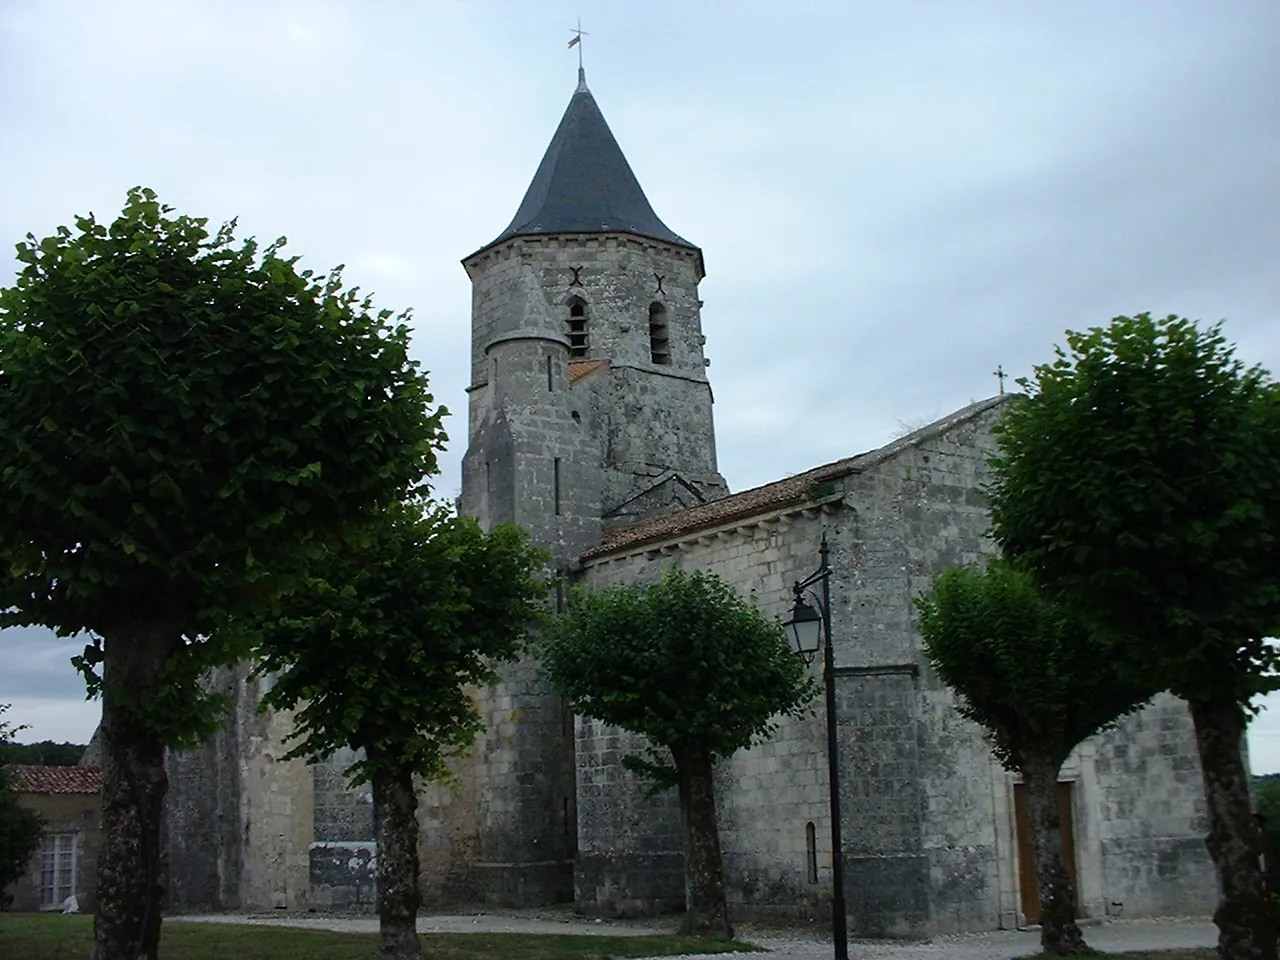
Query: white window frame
pixel 57 866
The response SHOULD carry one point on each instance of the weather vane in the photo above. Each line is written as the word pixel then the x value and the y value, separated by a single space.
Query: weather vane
pixel 1000 375
pixel 578 34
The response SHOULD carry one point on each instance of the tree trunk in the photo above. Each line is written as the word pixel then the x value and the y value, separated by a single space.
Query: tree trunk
pixel 130 882
pixel 1059 932
pixel 706 912
pixel 395 811
pixel 1245 917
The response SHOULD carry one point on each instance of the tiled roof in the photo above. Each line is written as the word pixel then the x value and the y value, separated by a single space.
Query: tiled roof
pixel 581 368
pixel 35 778
pixel 781 493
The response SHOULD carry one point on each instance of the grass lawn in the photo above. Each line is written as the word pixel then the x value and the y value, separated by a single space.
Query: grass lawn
pixel 34 936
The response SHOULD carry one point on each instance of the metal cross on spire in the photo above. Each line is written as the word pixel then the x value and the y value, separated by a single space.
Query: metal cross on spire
pixel 1000 375
pixel 578 34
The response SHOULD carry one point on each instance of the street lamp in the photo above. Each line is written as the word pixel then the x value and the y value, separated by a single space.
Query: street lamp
pixel 806 630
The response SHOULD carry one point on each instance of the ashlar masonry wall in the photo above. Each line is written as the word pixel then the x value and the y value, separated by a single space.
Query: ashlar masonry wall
pixel 930 844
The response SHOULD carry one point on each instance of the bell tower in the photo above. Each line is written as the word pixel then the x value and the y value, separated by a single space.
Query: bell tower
pixel 589 409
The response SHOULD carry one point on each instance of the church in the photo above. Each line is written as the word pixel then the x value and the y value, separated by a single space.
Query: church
pixel 591 425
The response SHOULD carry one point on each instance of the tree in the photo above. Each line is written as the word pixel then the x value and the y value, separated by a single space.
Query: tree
pixel 45 753
pixel 1027 671
pixel 375 652
pixel 1266 795
pixel 185 422
pixel 699 671
pixel 20 828
pixel 1138 479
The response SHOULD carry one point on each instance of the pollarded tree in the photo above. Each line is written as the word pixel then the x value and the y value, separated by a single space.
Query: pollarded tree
pixel 375 651
pixel 1138 479
pixel 185 418
pixel 699 671
pixel 1028 671
pixel 20 827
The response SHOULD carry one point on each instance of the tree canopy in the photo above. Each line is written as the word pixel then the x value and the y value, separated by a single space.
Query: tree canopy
pixel 683 661
pixel 1136 479
pixel 376 648
pixel 379 649
pixel 20 828
pixel 1038 679
pixel 187 420
pixel 46 753
pixel 699 671
pixel 186 416
pixel 1036 676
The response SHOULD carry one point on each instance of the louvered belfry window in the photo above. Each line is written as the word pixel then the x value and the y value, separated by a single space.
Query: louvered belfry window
pixel 577 327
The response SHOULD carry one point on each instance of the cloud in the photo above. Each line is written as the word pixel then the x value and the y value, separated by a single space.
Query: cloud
pixel 892 198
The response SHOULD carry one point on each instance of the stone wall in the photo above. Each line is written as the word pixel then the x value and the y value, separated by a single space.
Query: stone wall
pixel 1151 814
pixel 342 854
pixel 553 453
pixel 238 820
pixel 927 814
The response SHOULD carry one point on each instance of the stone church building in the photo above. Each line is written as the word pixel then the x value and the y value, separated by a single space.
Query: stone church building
pixel 591 426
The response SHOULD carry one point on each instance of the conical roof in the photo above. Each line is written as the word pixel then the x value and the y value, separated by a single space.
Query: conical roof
pixel 584 183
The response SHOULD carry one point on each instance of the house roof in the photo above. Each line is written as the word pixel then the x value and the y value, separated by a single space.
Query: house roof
pixel 37 778
pixel 584 183
pixel 797 489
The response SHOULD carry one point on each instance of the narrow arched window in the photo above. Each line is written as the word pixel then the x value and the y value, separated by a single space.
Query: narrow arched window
pixel 577 327
pixel 811 851
pixel 659 336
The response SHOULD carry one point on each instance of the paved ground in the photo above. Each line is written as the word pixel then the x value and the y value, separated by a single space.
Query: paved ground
pixel 799 944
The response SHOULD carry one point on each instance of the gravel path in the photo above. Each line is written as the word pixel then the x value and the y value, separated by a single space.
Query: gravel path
pixel 1115 935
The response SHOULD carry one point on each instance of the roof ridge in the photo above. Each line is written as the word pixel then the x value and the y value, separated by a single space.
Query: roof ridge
pixel 776 493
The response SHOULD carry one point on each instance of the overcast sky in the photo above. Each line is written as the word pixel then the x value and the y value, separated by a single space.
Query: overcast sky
pixel 892 199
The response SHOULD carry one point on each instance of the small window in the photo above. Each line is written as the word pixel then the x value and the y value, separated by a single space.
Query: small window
pixel 550 382
pixel 57 869
pixel 659 337
pixel 811 851
pixel 577 327
pixel 555 481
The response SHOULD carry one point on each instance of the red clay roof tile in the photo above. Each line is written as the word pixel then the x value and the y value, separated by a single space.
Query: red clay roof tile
pixel 35 778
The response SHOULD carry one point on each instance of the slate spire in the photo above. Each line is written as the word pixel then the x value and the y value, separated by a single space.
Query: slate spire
pixel 584 183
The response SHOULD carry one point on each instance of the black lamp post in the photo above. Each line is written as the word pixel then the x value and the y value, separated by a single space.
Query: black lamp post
pixel 806 630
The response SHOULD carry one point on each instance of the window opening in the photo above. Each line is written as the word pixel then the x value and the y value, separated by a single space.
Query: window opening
pixel 659 337
pixel 57 869
pixel 550 385
pixel 811 851
pixel 577 327
pixel 555 480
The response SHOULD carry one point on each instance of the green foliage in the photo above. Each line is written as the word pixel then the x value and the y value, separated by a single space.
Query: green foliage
pixel 376 648
pixel 44 753
pixel 1138 478
pixel 186 419
pixel 1266 795
pixel 1035 676
pixel 685 662
pixel 20 828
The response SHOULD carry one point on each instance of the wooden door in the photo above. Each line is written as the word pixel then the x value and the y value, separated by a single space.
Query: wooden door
pixel 1029 888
